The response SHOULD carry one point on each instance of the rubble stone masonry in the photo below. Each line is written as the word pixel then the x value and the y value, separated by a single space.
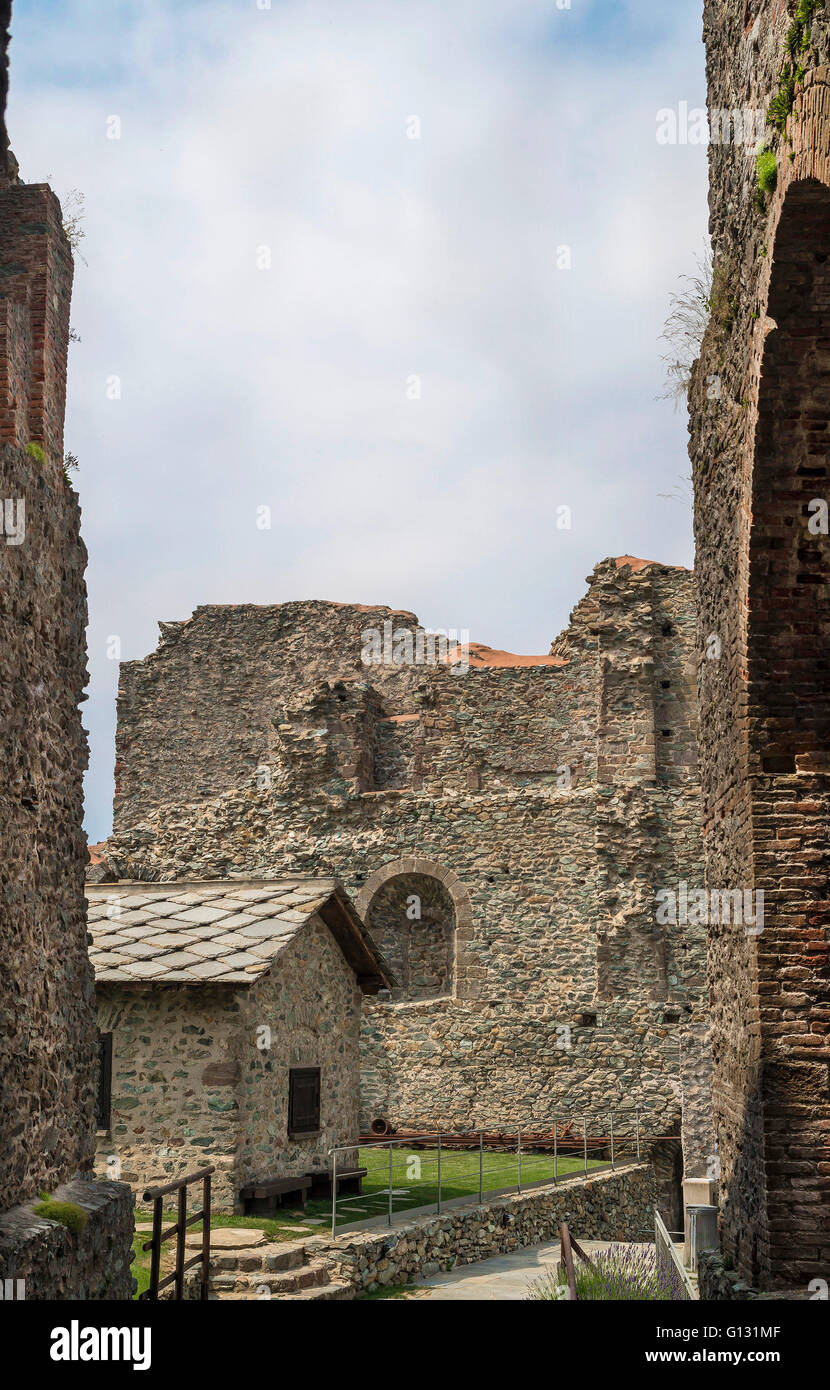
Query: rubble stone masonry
pixel 47 1021
pixel 529 809
pixel 759 447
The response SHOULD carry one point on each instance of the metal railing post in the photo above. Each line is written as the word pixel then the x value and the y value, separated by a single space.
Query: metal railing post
pixel 585 1144
pixel 480 1167
pixel 334 1197
pixel 519 1158
pixel 439 1174
pixel 205 1236
pixel 612 1143
pixel 555 1155
pixel 390 1183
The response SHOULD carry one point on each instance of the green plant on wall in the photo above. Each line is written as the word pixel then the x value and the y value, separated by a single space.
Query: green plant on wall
pixel 797 43
pixel 767 168
pixel 67 1214
pixel 784 100
pixel 35 451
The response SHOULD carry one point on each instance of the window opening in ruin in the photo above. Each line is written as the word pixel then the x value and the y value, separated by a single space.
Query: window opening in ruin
pixel 412 919
pixel 103 1090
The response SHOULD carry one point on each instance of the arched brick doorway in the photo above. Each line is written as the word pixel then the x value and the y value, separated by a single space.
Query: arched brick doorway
pixel 787 748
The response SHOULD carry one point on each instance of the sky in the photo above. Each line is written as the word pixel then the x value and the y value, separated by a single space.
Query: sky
pixel 389 277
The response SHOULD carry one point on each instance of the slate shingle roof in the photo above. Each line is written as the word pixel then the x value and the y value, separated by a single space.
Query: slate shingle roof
pixel 218 931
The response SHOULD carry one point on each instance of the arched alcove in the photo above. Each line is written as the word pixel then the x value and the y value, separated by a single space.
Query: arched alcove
pixel 789 560
pixel 416 910
pixel 787 723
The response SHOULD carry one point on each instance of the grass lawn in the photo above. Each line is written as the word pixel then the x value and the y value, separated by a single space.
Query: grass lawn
pixel 414 1184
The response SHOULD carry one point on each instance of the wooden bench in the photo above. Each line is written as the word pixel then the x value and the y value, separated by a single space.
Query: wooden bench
pixel 349 1180
pixel 263 1198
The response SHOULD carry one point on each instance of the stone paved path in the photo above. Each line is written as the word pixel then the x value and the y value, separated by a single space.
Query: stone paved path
pixel 504 1276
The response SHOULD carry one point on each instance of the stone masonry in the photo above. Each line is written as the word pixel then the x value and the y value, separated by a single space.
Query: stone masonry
pixel 760 451
pixel 47 1023
pixel 211 994
pixel 503 832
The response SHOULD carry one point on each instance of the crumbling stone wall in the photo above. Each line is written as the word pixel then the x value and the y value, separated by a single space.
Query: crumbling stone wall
pixel 551 801
pixel 44 1260
pixel 200 1072
pixel 47 1021
pixel 759 446
pixel 47 1034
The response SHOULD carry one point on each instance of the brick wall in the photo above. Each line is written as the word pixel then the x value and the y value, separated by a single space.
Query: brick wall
pixel 760 453
pixel 47 1035
pixel 47 1019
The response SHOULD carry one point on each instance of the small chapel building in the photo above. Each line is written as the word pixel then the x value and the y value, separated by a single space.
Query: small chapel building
pixel 229 1018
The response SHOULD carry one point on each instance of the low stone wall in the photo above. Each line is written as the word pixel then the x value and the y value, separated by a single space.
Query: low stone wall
pixel 56 1263
pixel 718 1283
pixel 613 1206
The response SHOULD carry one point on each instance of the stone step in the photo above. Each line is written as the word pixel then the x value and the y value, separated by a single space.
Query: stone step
pixel 324 1293
pixel 278 1282
pixel 268 1258
pixel 336 1291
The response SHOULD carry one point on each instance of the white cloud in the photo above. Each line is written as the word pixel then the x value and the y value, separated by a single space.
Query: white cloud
pixel 390 257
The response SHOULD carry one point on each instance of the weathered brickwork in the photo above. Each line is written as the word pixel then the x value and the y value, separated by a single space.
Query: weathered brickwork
pixel 196 1079
pixel 534 809
pixel 46 1032
pixel 760 457
pixel 47 1018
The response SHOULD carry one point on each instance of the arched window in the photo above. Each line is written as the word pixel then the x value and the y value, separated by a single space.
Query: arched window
pixel 411 916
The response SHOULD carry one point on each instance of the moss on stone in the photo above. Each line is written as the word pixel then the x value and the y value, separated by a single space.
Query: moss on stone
pixel 36 452
pixel 67 1214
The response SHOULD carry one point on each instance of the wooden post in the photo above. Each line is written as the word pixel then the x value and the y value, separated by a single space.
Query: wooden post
pixel 205 1236
pixel 180 1235
pixel 566 1254
pixel 155 1258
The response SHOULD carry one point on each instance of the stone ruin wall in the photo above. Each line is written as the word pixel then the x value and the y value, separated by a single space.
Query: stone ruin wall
pixel 564 996
pixel 759 448
pixel 48 1043
pixel 48 1037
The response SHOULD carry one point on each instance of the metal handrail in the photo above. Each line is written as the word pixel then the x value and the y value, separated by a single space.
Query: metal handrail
pixel 664 1243
pixel 156 1195
pixel 524 1142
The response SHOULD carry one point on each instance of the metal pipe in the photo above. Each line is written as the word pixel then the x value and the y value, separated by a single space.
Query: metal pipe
pixel 439 1174
pixel 585 1144
pixel 519 1157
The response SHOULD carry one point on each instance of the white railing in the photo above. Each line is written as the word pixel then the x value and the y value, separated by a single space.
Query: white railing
pixel 670 1262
